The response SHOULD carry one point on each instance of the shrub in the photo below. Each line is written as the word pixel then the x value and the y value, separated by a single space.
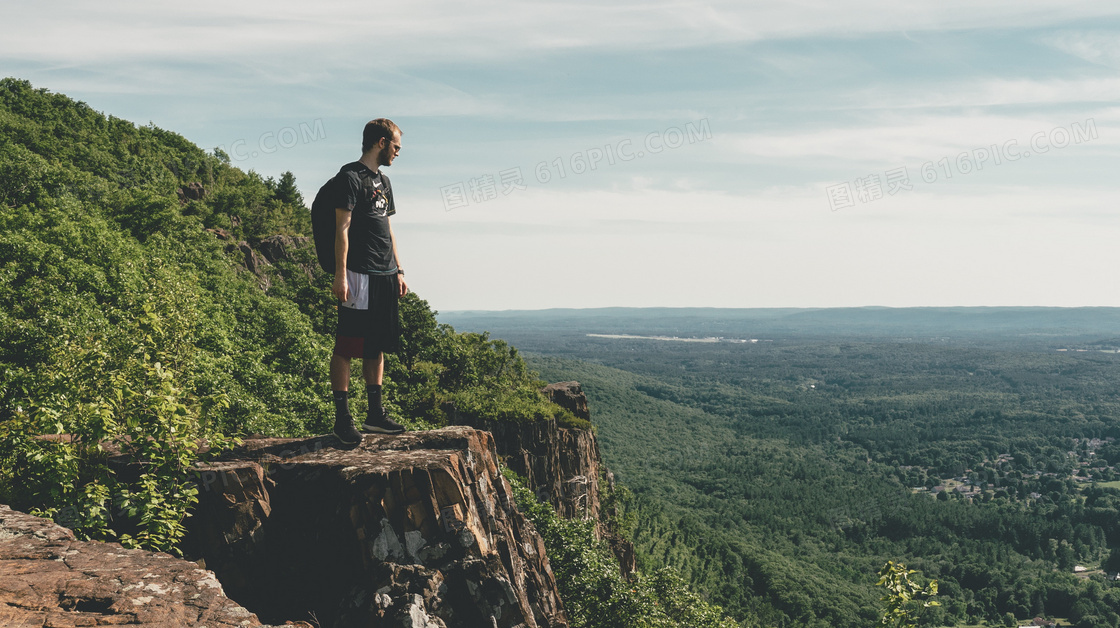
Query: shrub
pixel 593 590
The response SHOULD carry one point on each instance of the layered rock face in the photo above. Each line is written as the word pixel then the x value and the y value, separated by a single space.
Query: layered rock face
pixel 415 530
pixel 47 578
pixel 569 395
pixel 561 465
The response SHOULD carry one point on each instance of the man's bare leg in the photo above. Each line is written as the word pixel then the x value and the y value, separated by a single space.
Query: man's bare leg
pixel 373 369
pixel 340 372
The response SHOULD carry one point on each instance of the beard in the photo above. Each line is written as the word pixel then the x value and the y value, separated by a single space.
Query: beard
pixel 385 157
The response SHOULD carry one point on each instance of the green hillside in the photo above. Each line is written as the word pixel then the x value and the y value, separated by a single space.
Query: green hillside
pixel 130 318
pixel 138 313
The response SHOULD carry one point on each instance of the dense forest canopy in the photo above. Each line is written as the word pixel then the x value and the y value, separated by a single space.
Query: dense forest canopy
pixel 780 474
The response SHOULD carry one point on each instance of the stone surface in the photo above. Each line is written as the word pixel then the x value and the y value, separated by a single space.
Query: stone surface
pixel 282 248
pixel 561 465
pixel 413 530
pixel 418 530
pixel 191 192
pixel 49 579
pixel 254 262
pixel 569 395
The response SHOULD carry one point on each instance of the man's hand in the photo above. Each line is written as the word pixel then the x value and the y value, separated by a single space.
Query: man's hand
pixel 339 288
pixel 403 286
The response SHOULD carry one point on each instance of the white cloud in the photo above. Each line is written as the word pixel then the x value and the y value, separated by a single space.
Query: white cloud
pixel 1100 47
pixel 989 92
pixel 352 33
pixel 900 140
pixel 231 70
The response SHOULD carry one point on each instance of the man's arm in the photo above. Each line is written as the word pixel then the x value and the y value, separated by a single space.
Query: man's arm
pixel 397 259
pixel 341 247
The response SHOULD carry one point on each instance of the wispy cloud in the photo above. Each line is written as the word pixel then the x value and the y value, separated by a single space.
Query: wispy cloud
pixel 352 32
pixel 1094 46
pixel 901 140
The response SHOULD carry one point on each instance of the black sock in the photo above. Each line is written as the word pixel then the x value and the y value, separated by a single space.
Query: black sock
pixel 341 403
pixel 373 394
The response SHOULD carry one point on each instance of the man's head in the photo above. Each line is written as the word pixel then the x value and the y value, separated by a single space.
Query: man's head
pixel 382 138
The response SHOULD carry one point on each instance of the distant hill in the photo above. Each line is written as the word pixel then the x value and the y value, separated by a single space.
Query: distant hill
pixel 1009 322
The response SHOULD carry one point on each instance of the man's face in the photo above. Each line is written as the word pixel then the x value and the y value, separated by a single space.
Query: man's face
pixel 389 150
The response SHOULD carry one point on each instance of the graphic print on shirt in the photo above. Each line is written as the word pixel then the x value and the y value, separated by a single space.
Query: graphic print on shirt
pixel 378 199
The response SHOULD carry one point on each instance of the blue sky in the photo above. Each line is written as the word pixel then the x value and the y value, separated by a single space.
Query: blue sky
pixel 782 154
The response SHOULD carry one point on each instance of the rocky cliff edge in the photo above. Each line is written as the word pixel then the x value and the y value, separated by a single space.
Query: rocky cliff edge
pixel 416 530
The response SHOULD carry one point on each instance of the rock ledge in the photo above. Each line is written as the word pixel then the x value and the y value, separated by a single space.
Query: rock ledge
pixel 416 530
pixel 49 579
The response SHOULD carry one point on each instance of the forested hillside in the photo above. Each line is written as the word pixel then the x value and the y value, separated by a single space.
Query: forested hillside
pixel 139 315
pixel 779 475
pixel 130 318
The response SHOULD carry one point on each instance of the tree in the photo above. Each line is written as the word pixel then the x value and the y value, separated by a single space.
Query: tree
pixel 1112 563
pixel 287 192
pixel 905 598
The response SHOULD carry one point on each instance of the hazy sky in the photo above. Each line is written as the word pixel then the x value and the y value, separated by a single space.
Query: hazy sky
pixel 729 154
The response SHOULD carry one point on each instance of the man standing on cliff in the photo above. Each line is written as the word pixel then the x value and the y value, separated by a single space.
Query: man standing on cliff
pixel 368 279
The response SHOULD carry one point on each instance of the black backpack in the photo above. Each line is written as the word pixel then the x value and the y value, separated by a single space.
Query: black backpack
pixel 323 215
pixel 323 223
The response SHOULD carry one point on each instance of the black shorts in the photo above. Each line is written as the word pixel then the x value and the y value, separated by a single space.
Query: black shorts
pixel 369 323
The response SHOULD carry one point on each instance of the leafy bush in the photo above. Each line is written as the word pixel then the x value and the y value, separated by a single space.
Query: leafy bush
pixel 905 599
pixel 124 389
pixel 483 378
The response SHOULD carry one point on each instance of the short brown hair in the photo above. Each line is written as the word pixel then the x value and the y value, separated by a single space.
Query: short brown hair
pixel 376 130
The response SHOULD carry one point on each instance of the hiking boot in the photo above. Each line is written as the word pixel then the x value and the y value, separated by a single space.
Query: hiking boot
pixel 380 423
pixel 345 431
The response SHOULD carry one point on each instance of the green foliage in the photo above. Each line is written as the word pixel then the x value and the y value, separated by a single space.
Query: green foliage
pixel 621 507
pixel 483 378
pixel 126 328
pixel 594 592
pixel 121 389
pixel 904 598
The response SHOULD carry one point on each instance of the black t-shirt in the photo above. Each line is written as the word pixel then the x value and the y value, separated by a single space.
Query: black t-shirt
pixel 368 195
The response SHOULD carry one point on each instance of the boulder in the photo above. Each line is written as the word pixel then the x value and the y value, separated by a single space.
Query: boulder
pixel 562 465
pixel 191 192
pixel 48 578
pixel 279 248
